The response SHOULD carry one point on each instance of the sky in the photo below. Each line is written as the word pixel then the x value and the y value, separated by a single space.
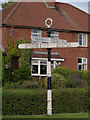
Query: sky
pixel 82 4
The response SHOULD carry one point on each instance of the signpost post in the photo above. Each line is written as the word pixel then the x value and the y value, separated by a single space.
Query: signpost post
pixel 41 42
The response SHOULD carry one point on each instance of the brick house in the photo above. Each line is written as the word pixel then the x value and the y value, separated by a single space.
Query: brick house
pixel 27 19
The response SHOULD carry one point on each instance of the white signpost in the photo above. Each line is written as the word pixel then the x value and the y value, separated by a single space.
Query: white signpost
pixel 43 42
pixel 48 45
pixel 46 40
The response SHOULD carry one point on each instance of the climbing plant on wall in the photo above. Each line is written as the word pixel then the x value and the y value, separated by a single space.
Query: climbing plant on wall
pixel 24 57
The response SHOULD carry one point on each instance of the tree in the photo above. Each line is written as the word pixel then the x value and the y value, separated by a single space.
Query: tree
pixel 7 3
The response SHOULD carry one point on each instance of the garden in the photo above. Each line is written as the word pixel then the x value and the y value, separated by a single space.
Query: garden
pixel 24 98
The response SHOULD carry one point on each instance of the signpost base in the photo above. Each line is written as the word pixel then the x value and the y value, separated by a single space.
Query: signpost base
pixel 49 102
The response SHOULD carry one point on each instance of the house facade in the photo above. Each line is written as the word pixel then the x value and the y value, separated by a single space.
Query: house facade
pixel 27 20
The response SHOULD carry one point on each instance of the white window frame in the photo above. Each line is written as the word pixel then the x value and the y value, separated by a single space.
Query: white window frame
pixel 82 63
pixel 37 34
pixel 38 63
pixel 83 39
pixel 55 35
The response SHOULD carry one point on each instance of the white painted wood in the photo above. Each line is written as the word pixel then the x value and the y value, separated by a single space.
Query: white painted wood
pixel 53 59
pixel 38 40
pixel 49 69
pixel 48 45
pixel 49 102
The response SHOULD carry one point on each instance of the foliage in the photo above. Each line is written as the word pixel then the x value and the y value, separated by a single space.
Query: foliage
pixel 24 56
pixel 72 79
pixel 75 81
pixel 62 71
pixel 57 81
pixel 21 74
pixel 24 102
pixel 12 85
pixel 85 75
pixel 4 5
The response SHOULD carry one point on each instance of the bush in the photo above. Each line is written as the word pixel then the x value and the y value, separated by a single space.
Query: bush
pixel 57 81
pixel 72 79
pixel 62 71
pixel 25 84
pixel 10 85
pixel 75 81
pixel 24 102
pixel 30 84
pixel 21 74
pixel 84 75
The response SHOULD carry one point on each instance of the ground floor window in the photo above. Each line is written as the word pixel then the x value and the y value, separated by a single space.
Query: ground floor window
pixel 39 67
pixel 82 63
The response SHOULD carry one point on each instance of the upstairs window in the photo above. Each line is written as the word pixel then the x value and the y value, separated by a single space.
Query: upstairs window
pixel 36 33
pixel 82 63
pixel 55 35
pixel 82 39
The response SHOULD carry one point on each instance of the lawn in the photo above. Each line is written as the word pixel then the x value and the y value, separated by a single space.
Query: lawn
pixel 62 115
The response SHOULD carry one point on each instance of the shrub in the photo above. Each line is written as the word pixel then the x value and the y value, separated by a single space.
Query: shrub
pixel 21 74
pixel 30 84
pixel 24 102
pixel 84 75
pixel 62 71
pixel 72 79
pixel 57 81
pixel 75 81
pixel 10 85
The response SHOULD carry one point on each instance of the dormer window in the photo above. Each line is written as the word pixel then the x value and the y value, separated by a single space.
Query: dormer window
pixel 82 39
pixel 54 35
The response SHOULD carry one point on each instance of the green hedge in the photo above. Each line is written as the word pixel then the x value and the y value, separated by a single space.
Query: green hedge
pixel 24 102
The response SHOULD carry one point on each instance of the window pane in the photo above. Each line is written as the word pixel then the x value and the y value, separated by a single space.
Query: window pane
pixel 80 39
pixel 79 67
pixel 43 62
pixel 34 69
pixel 84 61
pixel 43 69
pixel 34 61
pixel 54 34
pixel 52 62
pixel 84 39
pixel 55 37
pixel 84 67
pixel 35 31
pixel 79 60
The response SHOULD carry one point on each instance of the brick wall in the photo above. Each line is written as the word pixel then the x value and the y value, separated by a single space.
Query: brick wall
pixel 70 55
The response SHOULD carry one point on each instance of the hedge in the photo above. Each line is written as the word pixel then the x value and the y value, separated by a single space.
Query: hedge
pixel 27 103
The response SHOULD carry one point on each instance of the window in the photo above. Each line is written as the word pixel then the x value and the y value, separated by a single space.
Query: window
pixel 36 33
pixel 82 39
pixel 43 67
pixel 82 63
pixel 54 35
pixel 39 67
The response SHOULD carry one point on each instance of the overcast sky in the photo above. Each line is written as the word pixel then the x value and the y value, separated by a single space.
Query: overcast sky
pixel 83 4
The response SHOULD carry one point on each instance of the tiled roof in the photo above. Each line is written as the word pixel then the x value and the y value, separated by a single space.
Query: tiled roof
pixel 35 55
pixel 35 13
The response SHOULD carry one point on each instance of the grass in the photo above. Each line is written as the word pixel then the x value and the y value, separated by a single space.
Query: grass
pixel 62 115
